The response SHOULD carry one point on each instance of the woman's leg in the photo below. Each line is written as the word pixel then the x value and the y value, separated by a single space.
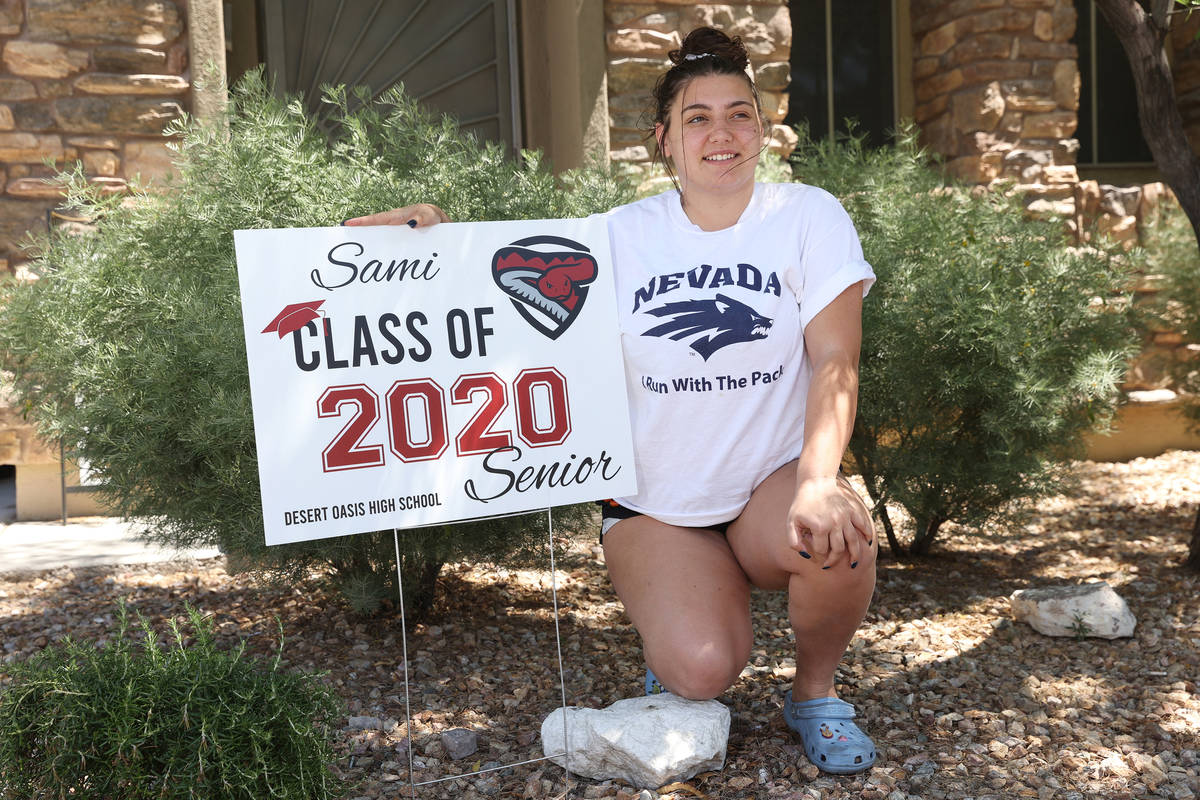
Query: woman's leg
pixel 825 606
pixel 688 598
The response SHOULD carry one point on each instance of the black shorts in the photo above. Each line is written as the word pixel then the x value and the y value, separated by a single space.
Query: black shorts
pixel 612 512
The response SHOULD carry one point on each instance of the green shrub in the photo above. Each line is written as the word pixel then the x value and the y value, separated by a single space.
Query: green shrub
pixel 1173 258
pixel 166 721
pixel 1174 261
pixel 129 347
pixel 989 347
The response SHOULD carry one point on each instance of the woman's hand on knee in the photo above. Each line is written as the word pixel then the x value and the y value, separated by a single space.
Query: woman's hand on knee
pixel 421 215
pixel 828 522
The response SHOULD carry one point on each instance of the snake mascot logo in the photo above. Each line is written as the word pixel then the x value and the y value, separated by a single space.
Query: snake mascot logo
pixel 547 285
pixel 720 322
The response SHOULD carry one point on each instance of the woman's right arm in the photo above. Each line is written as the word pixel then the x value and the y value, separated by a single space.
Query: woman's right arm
pixel 421 215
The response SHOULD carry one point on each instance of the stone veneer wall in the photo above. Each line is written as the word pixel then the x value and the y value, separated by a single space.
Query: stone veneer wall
pixel 94 81
pixel 997 92
pixel 639 36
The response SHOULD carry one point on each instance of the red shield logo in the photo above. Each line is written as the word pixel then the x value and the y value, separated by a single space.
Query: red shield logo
pixel 547 278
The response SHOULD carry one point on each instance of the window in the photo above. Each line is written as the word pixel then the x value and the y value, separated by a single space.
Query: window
pixel 1108 133
pixel 844 66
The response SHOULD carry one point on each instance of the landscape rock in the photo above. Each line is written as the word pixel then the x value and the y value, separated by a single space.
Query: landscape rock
pixel 642 741
pixel 460 742
pixel 365 724
pixel 1092 609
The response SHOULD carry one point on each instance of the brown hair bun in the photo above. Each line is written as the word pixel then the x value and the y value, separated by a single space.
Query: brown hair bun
pixel 710 42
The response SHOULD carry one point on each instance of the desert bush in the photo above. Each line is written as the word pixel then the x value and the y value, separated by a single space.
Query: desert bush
pixel 174 720
pixel 1172 258
pixel 990 346
pixel 1173 261
pixel 129 347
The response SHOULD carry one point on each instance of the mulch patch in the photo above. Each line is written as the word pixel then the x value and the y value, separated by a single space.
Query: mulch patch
pixel 962 701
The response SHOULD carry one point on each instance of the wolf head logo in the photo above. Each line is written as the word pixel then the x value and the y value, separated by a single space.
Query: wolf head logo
pixel 719 322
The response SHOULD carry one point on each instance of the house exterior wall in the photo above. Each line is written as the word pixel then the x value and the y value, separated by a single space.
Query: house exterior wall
pixel 94 81
pixel 88 81
pixel 997 91
pixel 995 88
pixel 639 36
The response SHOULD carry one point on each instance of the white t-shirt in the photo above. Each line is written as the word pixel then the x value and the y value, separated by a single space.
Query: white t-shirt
pixel 712 333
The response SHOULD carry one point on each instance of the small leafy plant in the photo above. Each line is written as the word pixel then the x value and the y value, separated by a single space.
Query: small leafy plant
pixel 990 346
pixel 1172 258
pixel 1173 261
pixel 181 720
pixel 1080 626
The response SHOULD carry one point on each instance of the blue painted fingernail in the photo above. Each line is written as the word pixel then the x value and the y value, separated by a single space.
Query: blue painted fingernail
pixel 853 564
pixel 804 554
pixel 412 223
pixel 347 219
pixel 827 566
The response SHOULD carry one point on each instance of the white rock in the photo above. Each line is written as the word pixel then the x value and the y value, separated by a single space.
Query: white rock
pixel 1092 609
pixel 644 741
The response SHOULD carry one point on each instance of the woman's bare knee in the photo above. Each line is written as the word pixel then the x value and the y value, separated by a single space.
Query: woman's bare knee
pixel 701 673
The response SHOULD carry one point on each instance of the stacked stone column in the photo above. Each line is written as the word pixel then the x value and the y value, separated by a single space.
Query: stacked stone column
pixel 94 81
pixel 639 36
pixel 997 93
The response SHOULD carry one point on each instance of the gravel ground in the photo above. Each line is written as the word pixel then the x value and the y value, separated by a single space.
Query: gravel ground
pixel 963 701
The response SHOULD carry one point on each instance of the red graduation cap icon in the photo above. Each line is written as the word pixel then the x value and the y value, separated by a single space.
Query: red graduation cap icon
pixel 294 317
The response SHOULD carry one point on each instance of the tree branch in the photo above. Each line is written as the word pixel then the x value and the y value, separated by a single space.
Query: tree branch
pixel 1160 11
pixel 1158 112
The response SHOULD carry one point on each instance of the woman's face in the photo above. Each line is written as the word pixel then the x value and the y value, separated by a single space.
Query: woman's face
pixel 714 136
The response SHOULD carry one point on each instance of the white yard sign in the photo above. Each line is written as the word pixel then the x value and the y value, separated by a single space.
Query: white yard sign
pixel 408 377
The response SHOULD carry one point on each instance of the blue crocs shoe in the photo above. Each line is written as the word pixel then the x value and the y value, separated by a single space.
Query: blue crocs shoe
pixel 831 741
pixel 652 684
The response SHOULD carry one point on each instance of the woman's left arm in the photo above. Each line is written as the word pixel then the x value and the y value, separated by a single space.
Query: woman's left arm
pixel 824 520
